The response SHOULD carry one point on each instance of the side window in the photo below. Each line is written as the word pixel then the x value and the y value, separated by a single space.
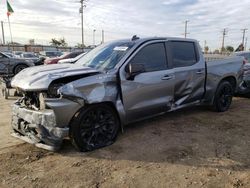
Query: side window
pixel 183 53
pixel 153 57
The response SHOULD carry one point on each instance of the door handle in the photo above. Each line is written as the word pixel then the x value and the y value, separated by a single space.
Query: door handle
pixel 167 77
pixel 199 72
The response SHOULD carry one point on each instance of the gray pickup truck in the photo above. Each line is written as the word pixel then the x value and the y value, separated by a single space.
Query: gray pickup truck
pixel 115 84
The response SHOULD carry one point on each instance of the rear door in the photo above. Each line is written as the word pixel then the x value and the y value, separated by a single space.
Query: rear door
pixel 4 64
pixel 150 92
pixel 189 70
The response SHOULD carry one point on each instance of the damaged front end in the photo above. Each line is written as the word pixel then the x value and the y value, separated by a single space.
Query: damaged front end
pixel 41 119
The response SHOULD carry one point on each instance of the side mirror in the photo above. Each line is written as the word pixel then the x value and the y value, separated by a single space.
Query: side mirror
pixel 133 70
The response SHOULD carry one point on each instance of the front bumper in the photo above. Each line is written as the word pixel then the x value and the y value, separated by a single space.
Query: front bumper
pixel 37 127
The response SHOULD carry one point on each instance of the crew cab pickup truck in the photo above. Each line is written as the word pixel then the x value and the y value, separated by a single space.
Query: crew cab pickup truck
pixel 115 84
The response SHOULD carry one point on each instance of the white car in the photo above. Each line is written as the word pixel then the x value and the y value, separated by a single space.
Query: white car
pixel 71 60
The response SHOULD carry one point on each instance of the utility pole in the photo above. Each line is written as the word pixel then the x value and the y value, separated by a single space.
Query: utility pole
pixel 94 36
pixel 102 36
pixel 246 44
pixel 243 38
pixel 224 33
pixel 185 32
pixel 81 12
pixel 205 44
pixel 3 32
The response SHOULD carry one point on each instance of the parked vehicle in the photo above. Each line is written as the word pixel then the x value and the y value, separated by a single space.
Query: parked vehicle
pixel 65 56
pixel 31 56
pixel 9 54
pixel 115 84
pixel 245 85
pixel 17 53
pixel 47 54
pixel 245 54
pixel 50 54
pixel 11 65
pixel 71 60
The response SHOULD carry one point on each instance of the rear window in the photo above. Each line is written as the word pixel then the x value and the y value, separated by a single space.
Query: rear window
pixel 183 53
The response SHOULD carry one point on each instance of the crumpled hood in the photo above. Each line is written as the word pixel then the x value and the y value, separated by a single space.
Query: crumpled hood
pixel 38 78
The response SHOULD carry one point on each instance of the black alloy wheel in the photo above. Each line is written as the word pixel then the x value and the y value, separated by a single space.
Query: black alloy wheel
pixel 94 127
pixel 223 96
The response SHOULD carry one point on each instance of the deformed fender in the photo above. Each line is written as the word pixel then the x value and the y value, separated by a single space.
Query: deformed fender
pixel 95 89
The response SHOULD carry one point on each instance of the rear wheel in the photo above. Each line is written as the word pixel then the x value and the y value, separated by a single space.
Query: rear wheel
pixel 94 127
pixel 18 68
pixel 223 96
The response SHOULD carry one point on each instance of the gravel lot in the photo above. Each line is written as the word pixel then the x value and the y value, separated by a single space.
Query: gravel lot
pixel 193 147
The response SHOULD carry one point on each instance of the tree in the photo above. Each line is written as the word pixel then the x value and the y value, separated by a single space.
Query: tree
pixel 32 41
pixel 230 48
pixel 206 49
pixel 80 45
pixel 216 51
pixel 59 42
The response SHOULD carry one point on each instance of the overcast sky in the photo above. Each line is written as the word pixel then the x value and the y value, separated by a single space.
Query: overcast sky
pixel 45 19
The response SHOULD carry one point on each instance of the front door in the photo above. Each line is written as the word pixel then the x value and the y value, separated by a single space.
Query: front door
pixel 150 92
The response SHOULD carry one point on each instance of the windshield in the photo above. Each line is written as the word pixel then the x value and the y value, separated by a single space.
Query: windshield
pixel 106 56
pixel 8 54
pixel 79 56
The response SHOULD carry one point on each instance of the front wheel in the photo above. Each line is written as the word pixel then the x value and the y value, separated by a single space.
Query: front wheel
pixel 18 68
pixel 223 96
pixel 94 127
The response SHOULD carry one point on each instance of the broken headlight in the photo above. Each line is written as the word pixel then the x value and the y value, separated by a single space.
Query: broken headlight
pixel 53 89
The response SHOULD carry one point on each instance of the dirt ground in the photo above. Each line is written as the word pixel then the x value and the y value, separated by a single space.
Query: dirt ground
pixel 193 147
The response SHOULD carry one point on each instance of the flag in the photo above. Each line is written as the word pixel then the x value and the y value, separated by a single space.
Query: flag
pixel 9 9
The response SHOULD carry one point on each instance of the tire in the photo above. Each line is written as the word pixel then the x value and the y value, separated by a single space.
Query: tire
pixel 18 68
pixel 223 97
pixel 94 127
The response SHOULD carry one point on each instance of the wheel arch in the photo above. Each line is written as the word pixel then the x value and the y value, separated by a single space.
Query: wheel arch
pixel 109 103
pixel 231 80
pixel 19 64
